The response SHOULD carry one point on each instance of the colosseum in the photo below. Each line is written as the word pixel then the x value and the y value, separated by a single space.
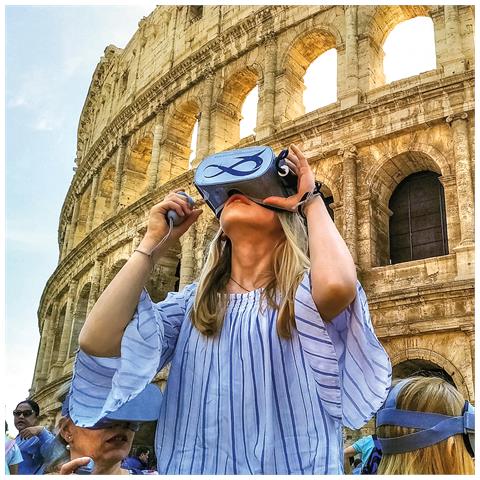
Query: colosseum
pixel 395 160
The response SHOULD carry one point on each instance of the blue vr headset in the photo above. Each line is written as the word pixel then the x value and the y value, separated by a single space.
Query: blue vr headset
pixel 254 172
pixel 433 427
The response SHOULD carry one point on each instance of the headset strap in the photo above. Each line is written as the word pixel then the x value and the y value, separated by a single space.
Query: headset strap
pixel 425 438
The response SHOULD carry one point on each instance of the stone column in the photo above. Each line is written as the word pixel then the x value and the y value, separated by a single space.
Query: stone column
pixel 470 333
pixel 152 173
pixel 95 284
pixel 119 165
pixel 350 227
pixel 455 61
pixel 267 126
pixel 187 265
pixel 39 361
pixel 49 335
pixel 203 140
pixel 73 224
pixel 64 246
pixel 351 96
pixel 92 201
pixel 67 324
pixel 463 174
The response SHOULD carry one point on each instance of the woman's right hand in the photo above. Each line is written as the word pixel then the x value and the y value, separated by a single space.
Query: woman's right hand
pixel 157 226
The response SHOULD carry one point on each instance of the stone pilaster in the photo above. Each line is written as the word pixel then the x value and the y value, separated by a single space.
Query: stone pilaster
pixel 40 355
pixel 463 174
pixel 267 125
pixel 350 227
pixel 67 324
pixel 470 333
pixel 64 245
pixel 95 284
pixel 119 165
pixel 73 223
pixel 455 61
pixel 203 141
pixel 187 265
pixel 49 335
pixel 92 201
pixel 351 95
pixel 152 173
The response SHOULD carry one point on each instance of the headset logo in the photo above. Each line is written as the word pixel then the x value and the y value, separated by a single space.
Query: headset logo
pixel 233 169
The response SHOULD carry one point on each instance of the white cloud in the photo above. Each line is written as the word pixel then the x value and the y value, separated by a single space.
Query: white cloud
pixel 46 122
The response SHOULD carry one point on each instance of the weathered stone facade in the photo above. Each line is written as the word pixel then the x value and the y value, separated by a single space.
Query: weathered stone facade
pixel 187 63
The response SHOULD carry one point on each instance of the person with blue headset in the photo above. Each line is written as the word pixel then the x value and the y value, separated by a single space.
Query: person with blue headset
pixel 271 352
pixel 426 427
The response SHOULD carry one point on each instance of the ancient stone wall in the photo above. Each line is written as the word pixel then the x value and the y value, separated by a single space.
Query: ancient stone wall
pixel 190 63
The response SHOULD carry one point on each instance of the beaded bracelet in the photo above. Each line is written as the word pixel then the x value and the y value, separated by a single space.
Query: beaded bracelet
pixel 308 197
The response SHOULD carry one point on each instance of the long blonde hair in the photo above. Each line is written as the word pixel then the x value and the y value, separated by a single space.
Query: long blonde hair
pixel 435 395
pixel 290 260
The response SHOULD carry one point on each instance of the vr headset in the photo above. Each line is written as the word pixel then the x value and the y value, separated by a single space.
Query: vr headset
pixel 433 427
pixel 254 172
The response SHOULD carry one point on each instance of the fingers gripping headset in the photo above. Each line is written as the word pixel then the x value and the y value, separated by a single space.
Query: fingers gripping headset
pixel 433 427
pixel 255 172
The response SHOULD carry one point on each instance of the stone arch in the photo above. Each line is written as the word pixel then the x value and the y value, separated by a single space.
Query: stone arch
pixel 379 22
pixel 177 139
pixel 103 204
pixel 228 105
pixel 302 51
pixel 437 359
pixel 395 165
pixel 79 316
pixel 383 178
pixel 135 179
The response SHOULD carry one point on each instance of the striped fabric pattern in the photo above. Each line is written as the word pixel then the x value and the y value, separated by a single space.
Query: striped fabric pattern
pixel 246 401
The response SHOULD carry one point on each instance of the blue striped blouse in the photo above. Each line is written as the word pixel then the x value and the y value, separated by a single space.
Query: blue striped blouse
pixel 246 401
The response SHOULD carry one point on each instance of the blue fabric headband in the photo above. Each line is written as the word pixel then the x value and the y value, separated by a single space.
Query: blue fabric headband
pixel 434 427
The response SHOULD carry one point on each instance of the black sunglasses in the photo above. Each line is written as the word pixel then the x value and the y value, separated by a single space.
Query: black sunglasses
pixel 24 413
pixel 103 424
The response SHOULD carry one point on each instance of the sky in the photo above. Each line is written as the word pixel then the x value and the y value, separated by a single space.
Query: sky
pixel 51 54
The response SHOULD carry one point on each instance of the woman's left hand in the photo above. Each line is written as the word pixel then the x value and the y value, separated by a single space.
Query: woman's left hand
pixel 297 162
pixel 70 467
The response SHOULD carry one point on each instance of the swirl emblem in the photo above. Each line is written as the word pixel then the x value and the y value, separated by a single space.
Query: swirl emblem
pixel 234 169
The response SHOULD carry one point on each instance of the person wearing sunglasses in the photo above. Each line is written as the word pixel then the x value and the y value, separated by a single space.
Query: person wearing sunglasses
pixel 107 443
pixel 32 438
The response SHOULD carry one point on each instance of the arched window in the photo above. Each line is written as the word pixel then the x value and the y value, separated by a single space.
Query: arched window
pixel 249 114
pixel 418 225
pixel 321 81
pixel 409 49
pixel 193 145
pixel 422 368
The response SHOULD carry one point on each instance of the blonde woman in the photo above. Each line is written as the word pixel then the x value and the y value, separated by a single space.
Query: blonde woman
pixel 271 352
pixel 438 445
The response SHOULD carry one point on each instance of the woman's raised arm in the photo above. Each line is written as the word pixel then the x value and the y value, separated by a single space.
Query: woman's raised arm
pixel 102 332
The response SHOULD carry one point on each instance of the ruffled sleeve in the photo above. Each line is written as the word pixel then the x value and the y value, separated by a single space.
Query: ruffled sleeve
pixel 351 369
pixel 102 385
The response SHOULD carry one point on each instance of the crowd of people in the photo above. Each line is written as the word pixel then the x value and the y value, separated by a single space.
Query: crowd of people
pixel 272 352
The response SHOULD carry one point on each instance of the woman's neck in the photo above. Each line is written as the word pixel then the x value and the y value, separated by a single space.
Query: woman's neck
pixel 251 263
